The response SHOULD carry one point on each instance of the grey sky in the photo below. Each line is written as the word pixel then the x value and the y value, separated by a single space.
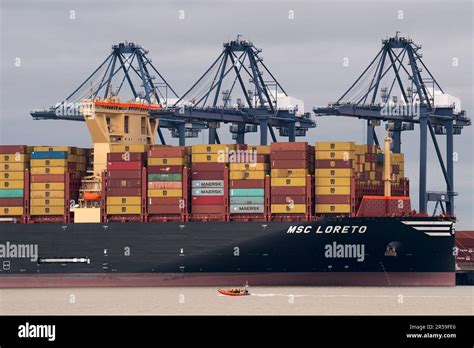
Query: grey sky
pixel 305 54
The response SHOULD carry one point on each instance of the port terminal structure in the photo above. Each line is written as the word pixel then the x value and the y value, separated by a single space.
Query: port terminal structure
pixel 398 88
pixel 239 68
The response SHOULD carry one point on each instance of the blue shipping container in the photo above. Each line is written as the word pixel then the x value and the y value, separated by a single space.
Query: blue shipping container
pixel 48 155
pixel 247 192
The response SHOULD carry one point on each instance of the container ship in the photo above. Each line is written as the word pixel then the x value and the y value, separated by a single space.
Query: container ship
pixel 128 212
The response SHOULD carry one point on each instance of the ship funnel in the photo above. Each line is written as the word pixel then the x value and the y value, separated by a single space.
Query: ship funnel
pixel 387 165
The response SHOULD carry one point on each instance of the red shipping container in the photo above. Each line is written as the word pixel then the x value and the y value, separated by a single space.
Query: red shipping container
pixel 168 152
pixel 125 157
pixel 295 199
pixel 124 174
pixel 208 209
pixel 47 178
pixel 332 199
pixel 333 164
pixel 289 155
pixel 290 164
pixel 164 209
pixel 200 175
pixel 208 167
pixel 12 149
pixel 123 192
pixel 247 184
pixel 124 165
pixel 290 146
pixel 176 201
pixel 263 158
pixel 124 183
pixel 162 169
pixel 370 157
pixel 11 202
pixel 207 200
pixel 288 190
pixel 161 185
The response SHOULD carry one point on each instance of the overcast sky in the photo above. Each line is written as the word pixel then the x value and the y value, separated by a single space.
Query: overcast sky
pixel 305 53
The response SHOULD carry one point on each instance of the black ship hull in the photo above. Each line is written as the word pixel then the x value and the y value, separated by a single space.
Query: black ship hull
pixel 342 251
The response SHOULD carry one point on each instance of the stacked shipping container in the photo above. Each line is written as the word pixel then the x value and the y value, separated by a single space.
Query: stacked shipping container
pixel 56 172
pixel 167 193
pixel 291 169
pixel 247 182
pixel 334 174
pixel 14 161
pixel 124 179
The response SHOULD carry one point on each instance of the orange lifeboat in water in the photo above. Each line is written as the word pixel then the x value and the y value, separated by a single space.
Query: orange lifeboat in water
pixel 91 196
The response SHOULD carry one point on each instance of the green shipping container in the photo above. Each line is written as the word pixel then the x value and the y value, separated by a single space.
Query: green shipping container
pixel 247 192
pixel 11 193
pixel 247 200
pixel 165 177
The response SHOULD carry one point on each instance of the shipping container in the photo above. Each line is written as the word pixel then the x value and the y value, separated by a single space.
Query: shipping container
pixel 214 148
pixel 124 183
pixel 201 175
pixel 13 158
pixel 285 164
pixel 164 209
pixel 14 167
pixel 333 208
pixel 247 192
pixel 290 155
pixel 124 210
pixel 38 155
pixel 11 202
pixel 332 181
pixel 12 184
pixel 124 200
pixel 332 199
pixel 236 200
pixel 289 146
pixel 335 146
pixel 48 170
pixel 289 173
pixel 45 178
pixel 124 174
pixel 168 152
pixel 11 211
pixel 260 149
pixel 208 209
pixel 47 186
pixel 47 194
pixel 48 163
pixel 12 175
pixel 67 149
pixel 289 199
pixel 125 157
pixel 286 191
pixel 41 202
pixel 111 166
pixel 164 169
pixel 122 192
pixel 207 183
pixel 249 166
pixel 333 190
pixel 235 184
pixel 248 208
pixel 337 173
pixel 129 148
pixel 207 191
pixel 208 167
pixel 288 208
pixel 167 161
pixel 47 210
pixel 334 163
pixel 11 193
pixel 207 200
pixel 165 177
pixel 203 158
pixel 161 185
pixel 165 193
pixel 244 175
pixel 288 182
pixel 176 201
pixel 13 149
